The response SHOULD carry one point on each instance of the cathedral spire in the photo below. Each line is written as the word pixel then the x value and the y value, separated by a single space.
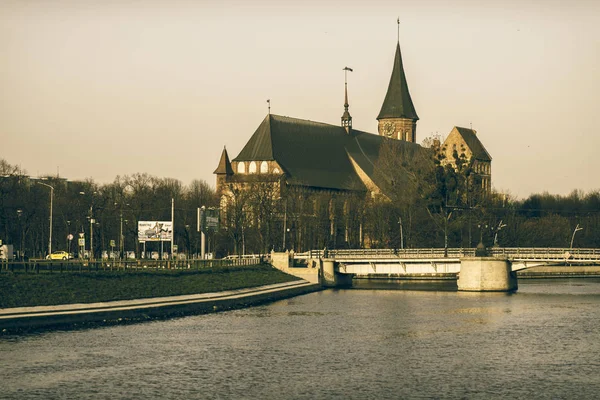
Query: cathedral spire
pixel 398 118
pixel 398 103
pixel 346 117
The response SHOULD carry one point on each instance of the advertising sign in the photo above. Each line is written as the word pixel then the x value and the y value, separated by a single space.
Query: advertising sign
pixel 209 219
pixel 155 231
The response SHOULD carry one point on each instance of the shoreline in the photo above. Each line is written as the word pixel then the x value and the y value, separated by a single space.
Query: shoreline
pixel 24 319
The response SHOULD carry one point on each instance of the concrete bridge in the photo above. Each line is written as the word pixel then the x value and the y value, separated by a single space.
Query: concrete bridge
pixel 496 271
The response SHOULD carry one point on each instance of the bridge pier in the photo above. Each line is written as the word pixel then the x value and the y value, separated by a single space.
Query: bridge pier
pixel 329 276
pixel 486 274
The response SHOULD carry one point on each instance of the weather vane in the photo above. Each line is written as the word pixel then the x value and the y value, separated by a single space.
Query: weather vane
pixel 269 105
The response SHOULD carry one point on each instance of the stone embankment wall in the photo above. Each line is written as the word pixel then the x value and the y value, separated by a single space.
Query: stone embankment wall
pixel 31 318
pixel 308 269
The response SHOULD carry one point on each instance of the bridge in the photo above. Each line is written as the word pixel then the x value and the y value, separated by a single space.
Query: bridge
pixel 339 266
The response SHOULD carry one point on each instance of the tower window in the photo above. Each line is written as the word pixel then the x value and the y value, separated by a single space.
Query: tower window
pixel 252 168
pixel 241 168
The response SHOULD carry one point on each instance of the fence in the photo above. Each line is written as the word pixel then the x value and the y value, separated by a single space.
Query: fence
pixel 48 266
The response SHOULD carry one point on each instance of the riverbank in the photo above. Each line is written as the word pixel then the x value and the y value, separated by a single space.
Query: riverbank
pixel 47 289
pixel 23 319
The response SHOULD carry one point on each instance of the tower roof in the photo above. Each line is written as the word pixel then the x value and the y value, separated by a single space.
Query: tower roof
pixel 397 103
pixel 224 166
pixel 471 139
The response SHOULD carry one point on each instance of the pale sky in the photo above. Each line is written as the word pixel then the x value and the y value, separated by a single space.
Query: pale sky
pixel 96 89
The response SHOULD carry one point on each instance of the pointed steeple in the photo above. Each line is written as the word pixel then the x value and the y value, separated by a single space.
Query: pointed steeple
pixel 224 167
pixel 346 117
pixel 397 103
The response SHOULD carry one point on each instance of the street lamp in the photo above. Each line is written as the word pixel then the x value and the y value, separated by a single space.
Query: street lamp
pixel 577 228
pixel 51 201
pixel 401 234
pixel 19 213
pixel 92 221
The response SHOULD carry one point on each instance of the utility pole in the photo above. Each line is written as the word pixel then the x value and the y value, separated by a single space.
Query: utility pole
pixel 51 206
pixel 401 234
pixel 201 228
pixel 172 225
pixel 121 234
pixel 91 232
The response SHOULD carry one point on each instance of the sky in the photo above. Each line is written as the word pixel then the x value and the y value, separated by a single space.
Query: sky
pixel 100 88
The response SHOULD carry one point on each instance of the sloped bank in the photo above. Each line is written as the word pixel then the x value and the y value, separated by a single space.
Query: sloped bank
pixel 15 320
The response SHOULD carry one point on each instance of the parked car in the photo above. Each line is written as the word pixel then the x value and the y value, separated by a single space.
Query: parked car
pixel 59 255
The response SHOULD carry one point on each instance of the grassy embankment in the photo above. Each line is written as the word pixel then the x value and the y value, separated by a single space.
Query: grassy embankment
pixel 23 290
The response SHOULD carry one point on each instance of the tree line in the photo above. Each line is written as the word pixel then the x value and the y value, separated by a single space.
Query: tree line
pixel 427 204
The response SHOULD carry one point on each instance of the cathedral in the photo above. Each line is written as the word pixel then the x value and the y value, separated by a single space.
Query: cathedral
pixel 315 156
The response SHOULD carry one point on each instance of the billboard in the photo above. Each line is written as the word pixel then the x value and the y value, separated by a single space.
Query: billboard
pixel 209 219
pixel 155 231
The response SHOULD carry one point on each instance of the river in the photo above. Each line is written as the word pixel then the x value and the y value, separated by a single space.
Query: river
pixel 541 342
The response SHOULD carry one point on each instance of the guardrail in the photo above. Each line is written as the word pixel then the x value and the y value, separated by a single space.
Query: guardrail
pixel 48 266
pixel 536 253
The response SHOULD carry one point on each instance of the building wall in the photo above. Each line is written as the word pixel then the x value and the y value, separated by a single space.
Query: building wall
pixel 398 128
pixel 455 143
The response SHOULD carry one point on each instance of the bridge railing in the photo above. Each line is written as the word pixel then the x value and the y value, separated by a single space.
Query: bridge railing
pixel 525 253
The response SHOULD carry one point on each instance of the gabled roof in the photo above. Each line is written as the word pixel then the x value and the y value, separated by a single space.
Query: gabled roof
pixel 397 103
pixel 315 154
pixel 471 139
pixel 224 166
pixel 310 153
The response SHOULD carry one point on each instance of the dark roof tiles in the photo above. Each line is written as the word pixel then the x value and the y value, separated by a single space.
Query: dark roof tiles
pixel 398 103
pixel 471 139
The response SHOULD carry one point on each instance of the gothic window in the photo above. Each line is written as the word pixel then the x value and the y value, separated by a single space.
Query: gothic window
pixel 276 170
pixel 252 168
pixel 264 167
pixel 241 169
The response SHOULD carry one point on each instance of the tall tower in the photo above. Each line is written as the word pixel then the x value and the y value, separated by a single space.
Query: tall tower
pixel 398 118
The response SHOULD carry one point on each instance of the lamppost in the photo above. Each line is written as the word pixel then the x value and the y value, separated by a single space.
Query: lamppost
pixel 92 221
pixel 19 213
pixel 51 201
pixel 480 251
pixel 401 233
pixel 577 228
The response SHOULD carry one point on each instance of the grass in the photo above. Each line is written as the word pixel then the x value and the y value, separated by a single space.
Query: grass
pixel 23 290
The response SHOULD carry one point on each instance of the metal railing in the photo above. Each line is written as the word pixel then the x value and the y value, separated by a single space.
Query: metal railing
pixel 49 266
pixel 520 253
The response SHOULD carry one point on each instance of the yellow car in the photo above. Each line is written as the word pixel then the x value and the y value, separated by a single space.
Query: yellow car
pixel 59 255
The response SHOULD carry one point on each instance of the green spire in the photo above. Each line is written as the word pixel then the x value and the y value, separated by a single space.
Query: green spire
pixel 397 103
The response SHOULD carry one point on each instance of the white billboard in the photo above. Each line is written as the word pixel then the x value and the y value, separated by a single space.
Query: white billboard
pixel 155 231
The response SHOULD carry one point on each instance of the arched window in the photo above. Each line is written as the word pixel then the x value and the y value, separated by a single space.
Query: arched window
pixel 252 168
pixel 264 167
pixel 276 170
pixel 241 168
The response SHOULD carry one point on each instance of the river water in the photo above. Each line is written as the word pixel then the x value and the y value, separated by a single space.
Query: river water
pixel 541 342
